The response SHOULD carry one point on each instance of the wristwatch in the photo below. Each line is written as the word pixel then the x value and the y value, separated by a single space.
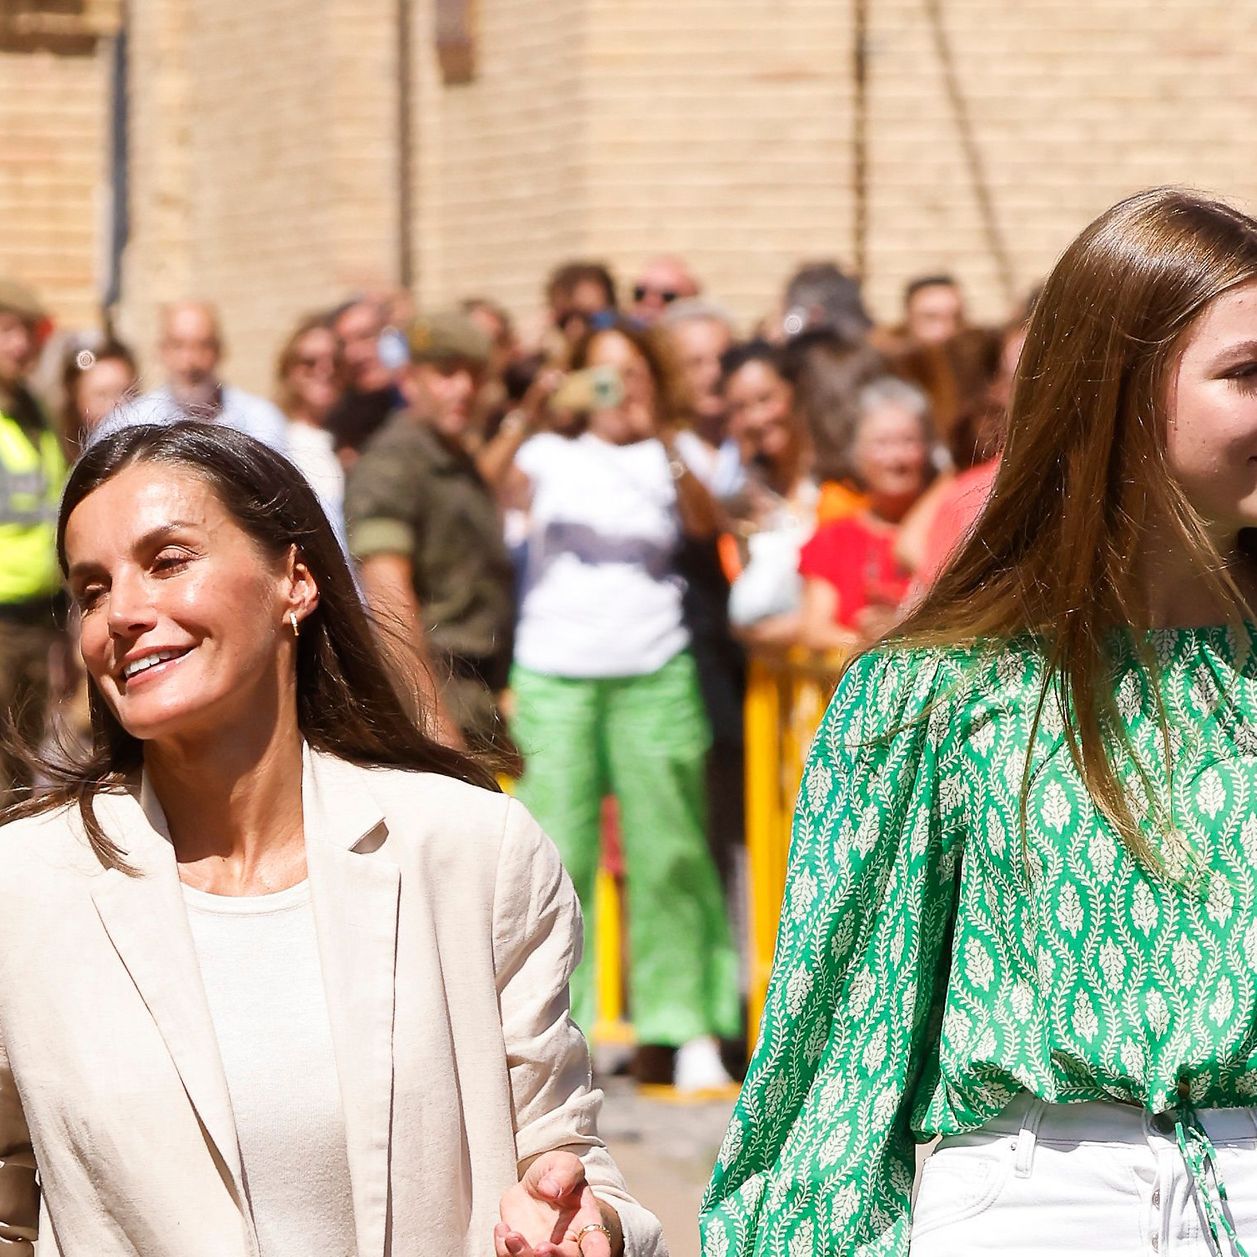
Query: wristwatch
pixel 677 467
pixel 513 423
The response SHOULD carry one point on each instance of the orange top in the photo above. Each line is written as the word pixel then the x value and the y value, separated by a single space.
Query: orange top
pixel 838 501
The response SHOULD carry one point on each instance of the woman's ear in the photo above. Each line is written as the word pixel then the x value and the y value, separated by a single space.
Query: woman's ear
pixel 303 589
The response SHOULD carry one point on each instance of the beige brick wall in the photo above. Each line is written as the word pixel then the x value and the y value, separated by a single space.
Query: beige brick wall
pixel 501 175
pixel 266 161
pixel 266 165
pixel 722 129
pixel 53 173
pixel 1072 106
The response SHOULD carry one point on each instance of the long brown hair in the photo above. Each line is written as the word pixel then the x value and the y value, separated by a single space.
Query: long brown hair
pixel 672 397
pixel 286 359
pixel 346 705
pixel 1084 476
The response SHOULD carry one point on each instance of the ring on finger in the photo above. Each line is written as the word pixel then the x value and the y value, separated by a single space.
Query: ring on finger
pixel 585 1230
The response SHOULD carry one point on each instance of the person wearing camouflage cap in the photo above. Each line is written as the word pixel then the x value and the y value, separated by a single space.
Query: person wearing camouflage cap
pixel 32 471
pixel 425 530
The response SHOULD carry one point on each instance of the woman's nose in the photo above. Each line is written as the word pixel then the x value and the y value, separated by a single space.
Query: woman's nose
pixel 131 607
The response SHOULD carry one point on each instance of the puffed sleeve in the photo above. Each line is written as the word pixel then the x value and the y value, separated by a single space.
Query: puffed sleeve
pixel 818 1157
pixel 19 1194
pixel 537 942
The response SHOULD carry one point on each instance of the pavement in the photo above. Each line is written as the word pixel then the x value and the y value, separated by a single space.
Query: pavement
pixel 666 1150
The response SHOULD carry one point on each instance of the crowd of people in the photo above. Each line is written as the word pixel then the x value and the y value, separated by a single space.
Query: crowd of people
pixel 1020 914
pixel 570 541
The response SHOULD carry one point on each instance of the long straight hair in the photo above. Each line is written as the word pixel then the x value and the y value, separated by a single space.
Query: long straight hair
pixel 1084 475
pixel 346 704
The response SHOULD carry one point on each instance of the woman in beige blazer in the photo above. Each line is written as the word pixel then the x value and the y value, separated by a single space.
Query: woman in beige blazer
pixel 275 968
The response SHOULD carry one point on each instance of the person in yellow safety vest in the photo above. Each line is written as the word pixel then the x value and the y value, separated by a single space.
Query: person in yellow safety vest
pixel 32 472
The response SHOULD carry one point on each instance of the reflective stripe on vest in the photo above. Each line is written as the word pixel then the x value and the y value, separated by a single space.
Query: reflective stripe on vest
pixel 32 472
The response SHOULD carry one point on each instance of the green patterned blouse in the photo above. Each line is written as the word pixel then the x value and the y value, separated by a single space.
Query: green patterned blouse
pixel 921 980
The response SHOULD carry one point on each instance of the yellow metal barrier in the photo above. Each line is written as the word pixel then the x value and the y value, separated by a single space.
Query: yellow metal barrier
pixel 787 693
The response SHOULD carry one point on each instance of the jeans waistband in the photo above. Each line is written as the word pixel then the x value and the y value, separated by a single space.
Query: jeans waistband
pixel 1108 1121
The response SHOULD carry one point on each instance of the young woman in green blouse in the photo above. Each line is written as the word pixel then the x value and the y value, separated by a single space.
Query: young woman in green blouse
pixel 1022 903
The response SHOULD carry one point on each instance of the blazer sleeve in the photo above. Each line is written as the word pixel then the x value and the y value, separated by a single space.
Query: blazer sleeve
pixel 19 1193
pixel 537 942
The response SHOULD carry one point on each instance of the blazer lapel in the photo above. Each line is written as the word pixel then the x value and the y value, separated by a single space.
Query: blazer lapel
pixel 147 923
pixel 355 895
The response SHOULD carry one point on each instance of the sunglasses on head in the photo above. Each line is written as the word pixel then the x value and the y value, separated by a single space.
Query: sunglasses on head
pixel 666 295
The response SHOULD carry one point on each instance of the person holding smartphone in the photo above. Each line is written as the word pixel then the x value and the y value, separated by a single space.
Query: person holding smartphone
pixel 606 692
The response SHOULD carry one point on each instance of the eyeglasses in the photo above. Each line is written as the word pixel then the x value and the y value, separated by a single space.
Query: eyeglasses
pixel 666 295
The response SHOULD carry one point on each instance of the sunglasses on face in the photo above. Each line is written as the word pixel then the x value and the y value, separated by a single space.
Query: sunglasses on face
pixel 666 295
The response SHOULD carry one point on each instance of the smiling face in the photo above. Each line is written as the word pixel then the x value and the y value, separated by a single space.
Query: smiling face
pixel 1211 435
pixel 184 617
pixel 444 392
pixel 890 455
pixel 761 412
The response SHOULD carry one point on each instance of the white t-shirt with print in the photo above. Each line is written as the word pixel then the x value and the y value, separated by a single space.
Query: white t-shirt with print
pixel 601 596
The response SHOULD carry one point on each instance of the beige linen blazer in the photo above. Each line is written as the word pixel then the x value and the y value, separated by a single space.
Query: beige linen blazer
pixel 447 930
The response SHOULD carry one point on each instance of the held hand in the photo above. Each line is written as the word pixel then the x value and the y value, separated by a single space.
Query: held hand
pixel 533 404
pixel 542 1215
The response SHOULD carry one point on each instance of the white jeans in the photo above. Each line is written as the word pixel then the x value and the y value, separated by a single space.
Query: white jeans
pixel 1096 1177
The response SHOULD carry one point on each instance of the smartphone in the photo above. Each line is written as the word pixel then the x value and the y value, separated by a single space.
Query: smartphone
pixel 595 388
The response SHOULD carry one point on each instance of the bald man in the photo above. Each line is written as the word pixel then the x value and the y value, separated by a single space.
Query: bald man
pixel 662 281
pixel 191 350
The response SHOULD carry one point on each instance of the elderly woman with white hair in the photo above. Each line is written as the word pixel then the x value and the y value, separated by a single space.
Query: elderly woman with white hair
pixel 853 583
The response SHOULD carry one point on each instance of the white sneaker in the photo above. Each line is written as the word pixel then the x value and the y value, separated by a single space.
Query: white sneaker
pixel 699 1067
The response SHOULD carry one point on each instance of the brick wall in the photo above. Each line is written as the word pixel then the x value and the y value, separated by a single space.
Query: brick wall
pixel 266 165
pixel 54 99
pixel 722 129
pixel 266 157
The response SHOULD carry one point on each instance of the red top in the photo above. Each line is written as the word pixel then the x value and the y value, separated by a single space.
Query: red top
pixel 957 512
pixel 858 560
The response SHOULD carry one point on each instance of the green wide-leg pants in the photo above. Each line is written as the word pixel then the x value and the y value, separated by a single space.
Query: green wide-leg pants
pixel 643 739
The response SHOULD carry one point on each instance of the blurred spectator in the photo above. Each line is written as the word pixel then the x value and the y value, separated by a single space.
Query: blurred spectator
pixel 944 517
pixel 957 375
pixel 607 696
pixel 701 334
pixel 425 529
pixel 371 393
pixel 662 281
pixel 578 295
pixel 494 321
pixel 853 584
pixel 827 373
pixel 310 378
pixel 191 350
pixel 933 310
pixel 96 378
pixel 493 399
pixel 776 511
pixel 32 470
pixel 822 296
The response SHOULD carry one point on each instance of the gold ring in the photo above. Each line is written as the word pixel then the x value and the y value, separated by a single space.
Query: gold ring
pixel 592 1226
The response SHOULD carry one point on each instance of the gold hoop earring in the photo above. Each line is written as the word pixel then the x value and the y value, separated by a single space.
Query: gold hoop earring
pixel 296 624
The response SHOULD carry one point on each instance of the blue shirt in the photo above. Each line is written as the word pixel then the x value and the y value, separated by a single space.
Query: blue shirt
pixel 254 416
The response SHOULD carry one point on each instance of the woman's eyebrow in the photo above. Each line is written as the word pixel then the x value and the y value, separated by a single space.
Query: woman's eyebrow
pixel 150 538
pixel 1239 350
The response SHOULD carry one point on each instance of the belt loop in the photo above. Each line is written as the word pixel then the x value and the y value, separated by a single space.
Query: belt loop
pixel 1027 1137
